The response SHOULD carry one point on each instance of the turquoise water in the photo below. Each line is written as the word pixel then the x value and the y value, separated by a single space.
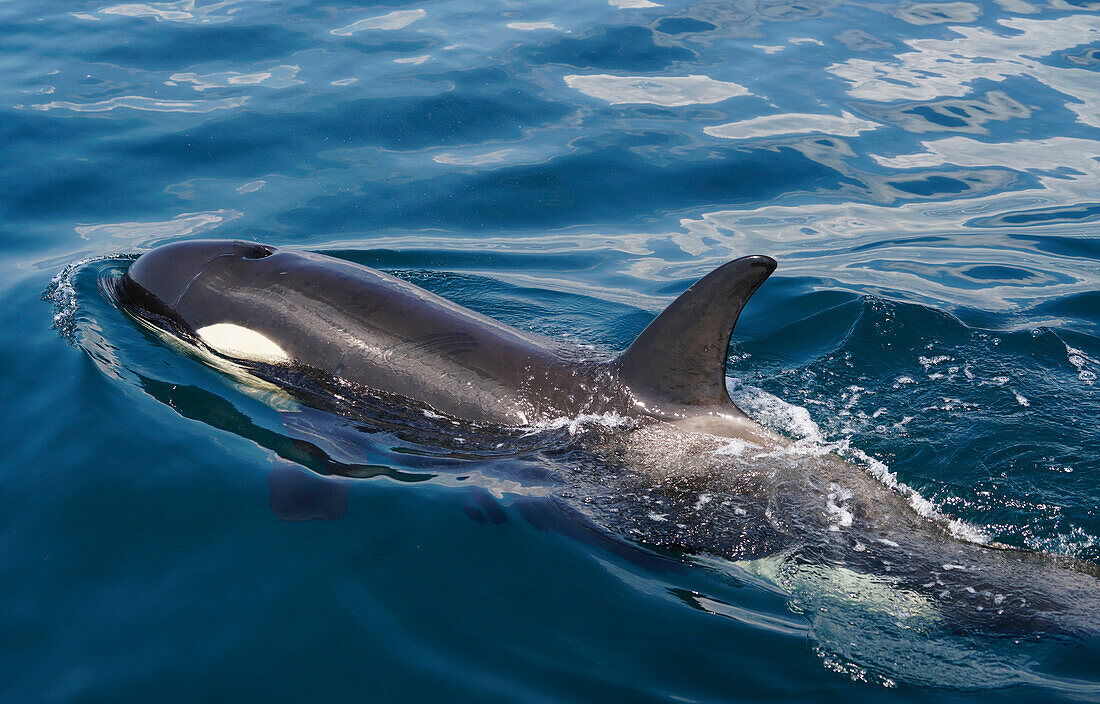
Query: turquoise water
pixel 927 176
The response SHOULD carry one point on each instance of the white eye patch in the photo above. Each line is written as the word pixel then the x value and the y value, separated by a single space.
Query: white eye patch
pixel 242 343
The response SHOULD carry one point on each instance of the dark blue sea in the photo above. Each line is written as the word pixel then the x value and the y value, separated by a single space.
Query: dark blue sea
pixel 926 174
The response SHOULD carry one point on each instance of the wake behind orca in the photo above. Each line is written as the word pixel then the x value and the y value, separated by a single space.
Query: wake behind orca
pixel 695 474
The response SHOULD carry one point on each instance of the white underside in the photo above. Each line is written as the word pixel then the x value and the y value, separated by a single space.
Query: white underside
pixel 242 343
pixel 843 586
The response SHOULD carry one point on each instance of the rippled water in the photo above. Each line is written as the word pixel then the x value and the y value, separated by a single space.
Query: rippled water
pixel 926 174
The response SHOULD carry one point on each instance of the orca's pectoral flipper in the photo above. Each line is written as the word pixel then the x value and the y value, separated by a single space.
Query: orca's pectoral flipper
pixel 679 360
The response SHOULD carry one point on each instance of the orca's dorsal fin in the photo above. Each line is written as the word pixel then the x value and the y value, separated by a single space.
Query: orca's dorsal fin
pixel 679 360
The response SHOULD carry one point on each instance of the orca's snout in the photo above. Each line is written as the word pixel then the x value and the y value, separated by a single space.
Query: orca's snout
pixel 157 280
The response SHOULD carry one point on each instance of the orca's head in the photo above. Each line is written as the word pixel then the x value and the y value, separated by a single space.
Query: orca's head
pixel 157 280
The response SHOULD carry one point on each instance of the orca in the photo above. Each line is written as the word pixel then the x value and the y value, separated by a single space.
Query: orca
pixel 696 476
pixel 259 303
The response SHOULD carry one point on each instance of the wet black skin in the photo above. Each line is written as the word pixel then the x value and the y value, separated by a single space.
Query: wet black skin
pixel 367 327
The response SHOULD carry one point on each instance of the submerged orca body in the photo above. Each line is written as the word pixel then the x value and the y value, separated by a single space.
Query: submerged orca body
pixel 262 304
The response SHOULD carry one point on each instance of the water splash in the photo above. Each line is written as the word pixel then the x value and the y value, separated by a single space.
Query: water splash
pixel 61 293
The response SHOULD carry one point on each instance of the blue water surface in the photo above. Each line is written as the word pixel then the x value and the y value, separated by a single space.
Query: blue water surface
pixel 926 174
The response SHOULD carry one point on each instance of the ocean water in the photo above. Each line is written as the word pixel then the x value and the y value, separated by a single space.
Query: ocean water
pixel 926 174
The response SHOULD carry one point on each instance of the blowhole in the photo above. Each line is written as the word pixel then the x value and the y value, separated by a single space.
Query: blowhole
pixel 253 250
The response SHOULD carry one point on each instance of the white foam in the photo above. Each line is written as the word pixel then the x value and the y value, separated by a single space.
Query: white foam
pixel 580 423
pixel 1072 543
pixel 702 501
pixel 1080 362
pixel 838 513
pixel 62 293
pixel 928 362
pixel 810 441
pixel 840 586
pixel 957 527
pixel 735 447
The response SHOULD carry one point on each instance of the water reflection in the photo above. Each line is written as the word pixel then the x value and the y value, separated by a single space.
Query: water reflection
pixel 1063 169
pixel 951 114
pixel 669 91
pixel 137 102
pixel 179 11
pixel 938 68
pixel 140 235
pixel 628 48
pixel 859 40
pixel 275 77
pixel 398 19
pixel 844 125
pixel 494 157
pixel 531 26
pixel 251 186
pixel 939 12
